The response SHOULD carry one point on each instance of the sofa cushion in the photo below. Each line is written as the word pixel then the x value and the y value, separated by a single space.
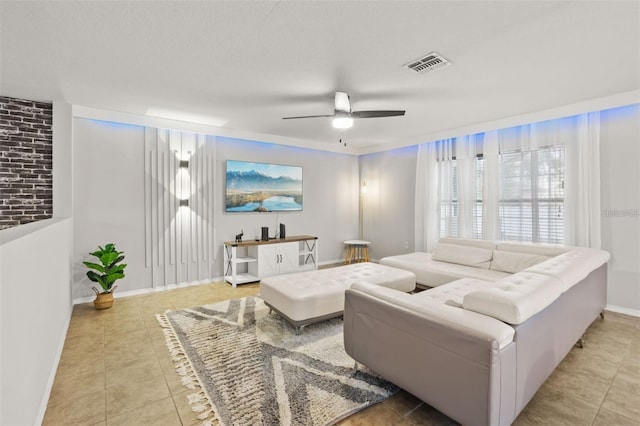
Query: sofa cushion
pixel 533 248
pixel 463 255
pixel 512 262
pixel 471 242
pixel 432 273
pixel 516 298
pixel 453 293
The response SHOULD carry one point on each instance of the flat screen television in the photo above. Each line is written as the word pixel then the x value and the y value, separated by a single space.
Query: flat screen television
pixel 262 187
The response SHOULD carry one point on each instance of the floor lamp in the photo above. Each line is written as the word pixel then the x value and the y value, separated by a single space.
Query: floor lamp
pixel 363 192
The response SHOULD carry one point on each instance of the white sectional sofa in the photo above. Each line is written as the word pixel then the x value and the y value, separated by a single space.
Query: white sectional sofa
pixel 455 258
pixel 477 346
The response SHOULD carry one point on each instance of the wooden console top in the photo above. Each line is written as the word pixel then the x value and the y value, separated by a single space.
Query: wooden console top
pixel 246 243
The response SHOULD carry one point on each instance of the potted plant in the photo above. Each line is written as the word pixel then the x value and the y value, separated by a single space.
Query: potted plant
pixel 106 273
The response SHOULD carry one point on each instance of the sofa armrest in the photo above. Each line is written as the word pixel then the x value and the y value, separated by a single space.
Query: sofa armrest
pixel 454 366
pixel 573 266
pixel 473 323
pixel 516 298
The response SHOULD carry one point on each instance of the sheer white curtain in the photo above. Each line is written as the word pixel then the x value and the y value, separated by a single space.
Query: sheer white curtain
pixel 446 208
pixel 425 176
pixel 582 183
pixel 540 182
pixel 466 184
pixel 434 172
pixel 491 187
pixel 518 183
pixel 531 155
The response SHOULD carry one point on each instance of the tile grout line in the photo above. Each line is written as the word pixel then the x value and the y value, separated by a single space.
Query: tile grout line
pixel 406 416
pixel 156 354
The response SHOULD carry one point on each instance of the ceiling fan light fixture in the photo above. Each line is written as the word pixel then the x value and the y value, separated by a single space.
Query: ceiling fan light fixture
pixel 342 102
pixel 342 122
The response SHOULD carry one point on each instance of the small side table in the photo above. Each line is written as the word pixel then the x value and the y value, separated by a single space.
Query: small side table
pixel 356 251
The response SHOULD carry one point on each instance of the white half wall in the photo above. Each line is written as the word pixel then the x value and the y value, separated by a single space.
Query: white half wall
pixel 35 308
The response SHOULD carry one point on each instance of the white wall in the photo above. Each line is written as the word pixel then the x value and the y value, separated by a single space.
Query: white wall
pixel 109 194
pixel 179 244
pixel 620 203
pixel 388 205
pixel 62 160
pixel 389 214
pixel 330 197
pixel 35 308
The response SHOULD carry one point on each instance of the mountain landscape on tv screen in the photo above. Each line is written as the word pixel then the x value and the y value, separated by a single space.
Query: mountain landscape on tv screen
pixel 256 181
pixel 256 191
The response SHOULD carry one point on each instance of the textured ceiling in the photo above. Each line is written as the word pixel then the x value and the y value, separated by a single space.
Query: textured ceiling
pixel 245 65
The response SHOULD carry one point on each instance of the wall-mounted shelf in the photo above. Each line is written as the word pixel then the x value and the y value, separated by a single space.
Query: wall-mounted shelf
pixel 267 258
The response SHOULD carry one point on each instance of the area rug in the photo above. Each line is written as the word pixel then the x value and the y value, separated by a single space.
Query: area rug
pixel 249 367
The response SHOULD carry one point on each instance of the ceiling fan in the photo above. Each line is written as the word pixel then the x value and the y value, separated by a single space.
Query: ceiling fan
pixel 343 116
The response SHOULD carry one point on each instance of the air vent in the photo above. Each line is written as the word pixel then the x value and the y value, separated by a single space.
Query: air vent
pixel 431 62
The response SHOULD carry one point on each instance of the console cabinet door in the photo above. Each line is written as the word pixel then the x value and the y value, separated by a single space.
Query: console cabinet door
pixel 275 259
pixel 288 260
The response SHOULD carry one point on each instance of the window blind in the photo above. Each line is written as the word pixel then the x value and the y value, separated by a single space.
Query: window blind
pixel 531 196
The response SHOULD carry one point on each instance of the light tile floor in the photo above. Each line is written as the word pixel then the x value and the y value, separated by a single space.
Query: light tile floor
pixel 115 369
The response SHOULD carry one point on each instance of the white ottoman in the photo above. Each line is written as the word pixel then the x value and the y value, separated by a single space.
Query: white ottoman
pixel 303 298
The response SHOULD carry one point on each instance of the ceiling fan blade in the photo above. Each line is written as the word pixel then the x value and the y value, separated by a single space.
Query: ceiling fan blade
pixel 374 114
pixel 307 116
pixel 342 102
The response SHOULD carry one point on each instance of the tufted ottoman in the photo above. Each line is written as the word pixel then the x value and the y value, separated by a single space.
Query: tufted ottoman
pixel 307 297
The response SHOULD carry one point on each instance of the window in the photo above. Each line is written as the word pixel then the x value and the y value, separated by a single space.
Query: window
pixel 541 184
pixel 449 205
pixel 531 196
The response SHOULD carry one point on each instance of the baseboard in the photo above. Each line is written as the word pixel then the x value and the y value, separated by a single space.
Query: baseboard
pixel 141 291
pixel 338 262
pixel 54 369
pixel 620 310
pixel 331 262
pixel 150 290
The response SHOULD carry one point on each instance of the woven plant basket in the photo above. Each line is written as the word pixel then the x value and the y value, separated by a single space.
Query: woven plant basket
pixel 103 300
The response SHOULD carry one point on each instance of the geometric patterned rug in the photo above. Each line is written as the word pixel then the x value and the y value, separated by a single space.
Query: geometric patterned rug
pixel 248 367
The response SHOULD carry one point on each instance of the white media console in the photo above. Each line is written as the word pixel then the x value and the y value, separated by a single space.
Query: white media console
pixel 261 259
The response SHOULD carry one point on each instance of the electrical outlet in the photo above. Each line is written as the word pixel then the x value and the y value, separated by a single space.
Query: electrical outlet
pixel 406 245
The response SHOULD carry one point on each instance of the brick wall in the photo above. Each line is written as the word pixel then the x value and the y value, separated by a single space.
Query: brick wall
pixel 26 161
